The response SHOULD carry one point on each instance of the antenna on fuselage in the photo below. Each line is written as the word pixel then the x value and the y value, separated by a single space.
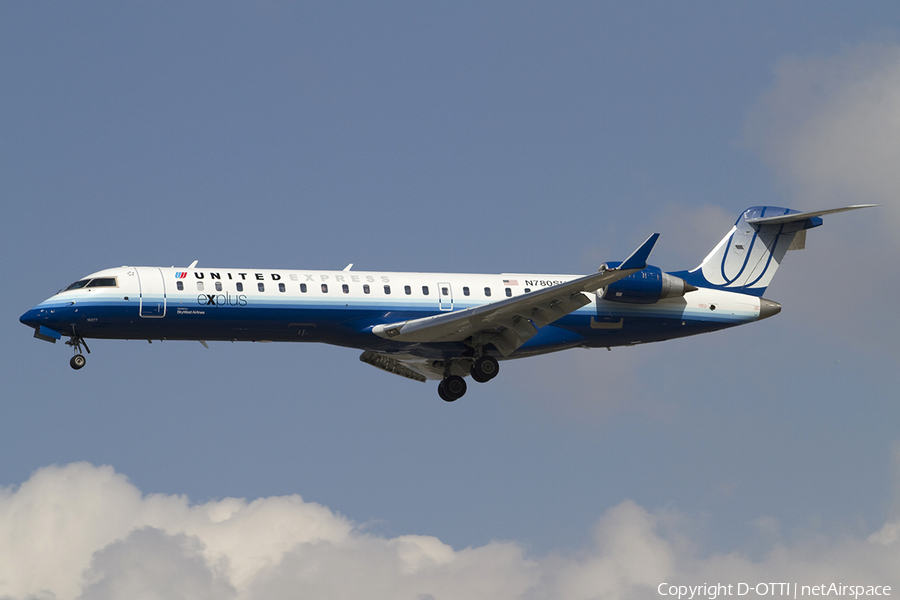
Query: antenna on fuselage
pixel 348 267
pixel 193 264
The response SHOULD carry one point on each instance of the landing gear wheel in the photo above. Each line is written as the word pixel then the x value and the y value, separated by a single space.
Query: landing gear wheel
pixel 485 369
pixel 452 388
pixel 76 341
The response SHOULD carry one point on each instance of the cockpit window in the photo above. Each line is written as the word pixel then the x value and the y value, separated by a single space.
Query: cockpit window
pixel 77 285
pixel 103 282
pixel 90 283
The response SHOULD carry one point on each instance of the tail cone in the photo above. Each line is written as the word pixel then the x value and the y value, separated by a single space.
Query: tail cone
pixel 767 308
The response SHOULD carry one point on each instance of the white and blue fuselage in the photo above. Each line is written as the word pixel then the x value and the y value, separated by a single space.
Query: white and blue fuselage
pixel 443 326
pixel 342 307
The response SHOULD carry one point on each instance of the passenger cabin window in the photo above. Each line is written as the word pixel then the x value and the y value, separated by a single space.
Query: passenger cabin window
pixel 261 286
pixel 324 288
pixel 179 285
pixel 509 292
pixel 387 290
pixel 345 288
pixel 407 290
pixel 445 291
pixel 281 287
pixel 199 286
pixel 425 290
pixel 465 291
pixel 218 286
pixel 487 291
pixel 366 289
pixel 240 286
pixel 302 287
pixel 527 290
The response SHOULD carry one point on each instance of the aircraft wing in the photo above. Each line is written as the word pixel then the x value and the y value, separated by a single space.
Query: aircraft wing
pixel 511 322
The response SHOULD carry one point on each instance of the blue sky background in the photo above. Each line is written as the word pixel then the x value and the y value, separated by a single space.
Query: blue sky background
pixel 502 137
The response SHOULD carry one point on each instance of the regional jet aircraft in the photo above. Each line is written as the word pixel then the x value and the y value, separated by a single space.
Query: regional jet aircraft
pixel 441 326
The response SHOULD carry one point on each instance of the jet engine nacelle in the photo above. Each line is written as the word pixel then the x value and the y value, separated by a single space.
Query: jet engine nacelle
pixel 647 286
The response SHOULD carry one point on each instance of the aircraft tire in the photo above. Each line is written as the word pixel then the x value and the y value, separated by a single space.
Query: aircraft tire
pixel 485 369
pixel 442 394
pixel 77 361
pixel 476 376
pixel 453 388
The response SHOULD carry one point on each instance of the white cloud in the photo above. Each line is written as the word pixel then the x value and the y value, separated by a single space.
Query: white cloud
pixel 629 559
pixel 51 526
pixel 81 531
pixel 890 533
pixel 831 127
pixel 149 563
pixel 411 567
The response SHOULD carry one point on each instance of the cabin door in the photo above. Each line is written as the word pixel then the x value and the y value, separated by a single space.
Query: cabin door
pixel 445 296
pixel 153 292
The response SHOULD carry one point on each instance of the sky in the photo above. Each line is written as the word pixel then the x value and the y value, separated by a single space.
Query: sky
pixel 464 137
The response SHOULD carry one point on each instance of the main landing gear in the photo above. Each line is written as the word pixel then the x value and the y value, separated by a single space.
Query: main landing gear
pixel 485 368
pixel 453 387
pixel 78 361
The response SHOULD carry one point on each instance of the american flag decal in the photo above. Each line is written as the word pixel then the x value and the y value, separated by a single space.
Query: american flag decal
pixel 510 282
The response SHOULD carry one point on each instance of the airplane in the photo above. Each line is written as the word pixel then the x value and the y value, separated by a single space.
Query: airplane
pixel 436 326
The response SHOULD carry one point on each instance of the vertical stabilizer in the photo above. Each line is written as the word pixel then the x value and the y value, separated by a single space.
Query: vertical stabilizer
pixel 748 256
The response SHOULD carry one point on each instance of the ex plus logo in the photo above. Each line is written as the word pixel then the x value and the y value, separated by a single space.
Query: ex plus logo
pixel 225 299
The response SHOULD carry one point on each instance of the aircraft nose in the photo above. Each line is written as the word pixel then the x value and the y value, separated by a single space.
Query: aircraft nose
pixel 768 308
pixel 30 318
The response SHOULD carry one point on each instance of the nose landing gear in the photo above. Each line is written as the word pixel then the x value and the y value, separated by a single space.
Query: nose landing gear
pixel 78 361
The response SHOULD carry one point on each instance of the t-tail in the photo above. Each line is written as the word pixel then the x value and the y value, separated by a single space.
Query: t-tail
pixel 748 256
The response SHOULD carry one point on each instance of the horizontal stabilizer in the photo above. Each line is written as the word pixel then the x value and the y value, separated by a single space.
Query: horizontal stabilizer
pixel 793 218
pixel 746 259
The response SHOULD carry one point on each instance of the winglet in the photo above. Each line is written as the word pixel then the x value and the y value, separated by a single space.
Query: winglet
pixel 638 258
